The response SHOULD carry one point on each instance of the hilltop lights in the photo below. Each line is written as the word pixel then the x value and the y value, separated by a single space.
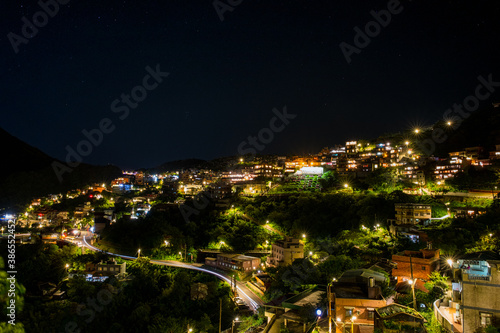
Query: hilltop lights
pixel 417 130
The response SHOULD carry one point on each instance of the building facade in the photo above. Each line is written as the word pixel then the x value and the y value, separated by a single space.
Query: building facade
pixel 423 263
pixel 410 213
pixel 476 290
pixel 238 262
pixel 357 294
pixel 285 251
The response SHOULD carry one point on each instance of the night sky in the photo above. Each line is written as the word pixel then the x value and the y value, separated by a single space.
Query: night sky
pixel 225 77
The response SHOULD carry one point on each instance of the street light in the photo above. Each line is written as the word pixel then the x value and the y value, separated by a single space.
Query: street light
pixel 353 318
pixel 303 235
pixel 346 185
pixel 412 284
pixel 450 262
pixel 166 243
pixel 329 296
pixel 417 130
pixel 319 313
pixel 139 252
pixel 235 320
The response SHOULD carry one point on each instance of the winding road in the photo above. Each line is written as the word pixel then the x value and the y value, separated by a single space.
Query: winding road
pixel 252 300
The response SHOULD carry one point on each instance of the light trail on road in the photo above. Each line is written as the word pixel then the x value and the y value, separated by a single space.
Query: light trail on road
pixel 250 302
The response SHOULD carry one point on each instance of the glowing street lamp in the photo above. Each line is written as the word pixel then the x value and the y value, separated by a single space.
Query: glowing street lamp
pixel 448 123
pixel 139 253
pixel 407 143
pixel 303 235
pixel 329 310
pixel 319 313
pixel 412 284
pixel 353 318
pixel 346 185
pixel 417 130
pixel 235 320
pixel 450 262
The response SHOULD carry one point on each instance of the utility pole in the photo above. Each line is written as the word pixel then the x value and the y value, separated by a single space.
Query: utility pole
pixel 330 298
pixel 413 285
pixel 329 294
pixel 220 315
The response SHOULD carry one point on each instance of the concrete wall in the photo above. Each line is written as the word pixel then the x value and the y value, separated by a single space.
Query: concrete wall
pixel 440 317
pixel 480 296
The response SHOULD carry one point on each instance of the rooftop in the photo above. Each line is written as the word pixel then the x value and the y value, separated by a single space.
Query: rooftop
pixel 483 255
pixel 241 257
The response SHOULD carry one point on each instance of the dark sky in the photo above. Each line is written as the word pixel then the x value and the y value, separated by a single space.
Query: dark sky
pixel 227 76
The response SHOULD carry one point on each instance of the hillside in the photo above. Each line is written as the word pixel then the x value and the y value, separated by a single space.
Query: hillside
pixel 482 128
pixel 26 172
